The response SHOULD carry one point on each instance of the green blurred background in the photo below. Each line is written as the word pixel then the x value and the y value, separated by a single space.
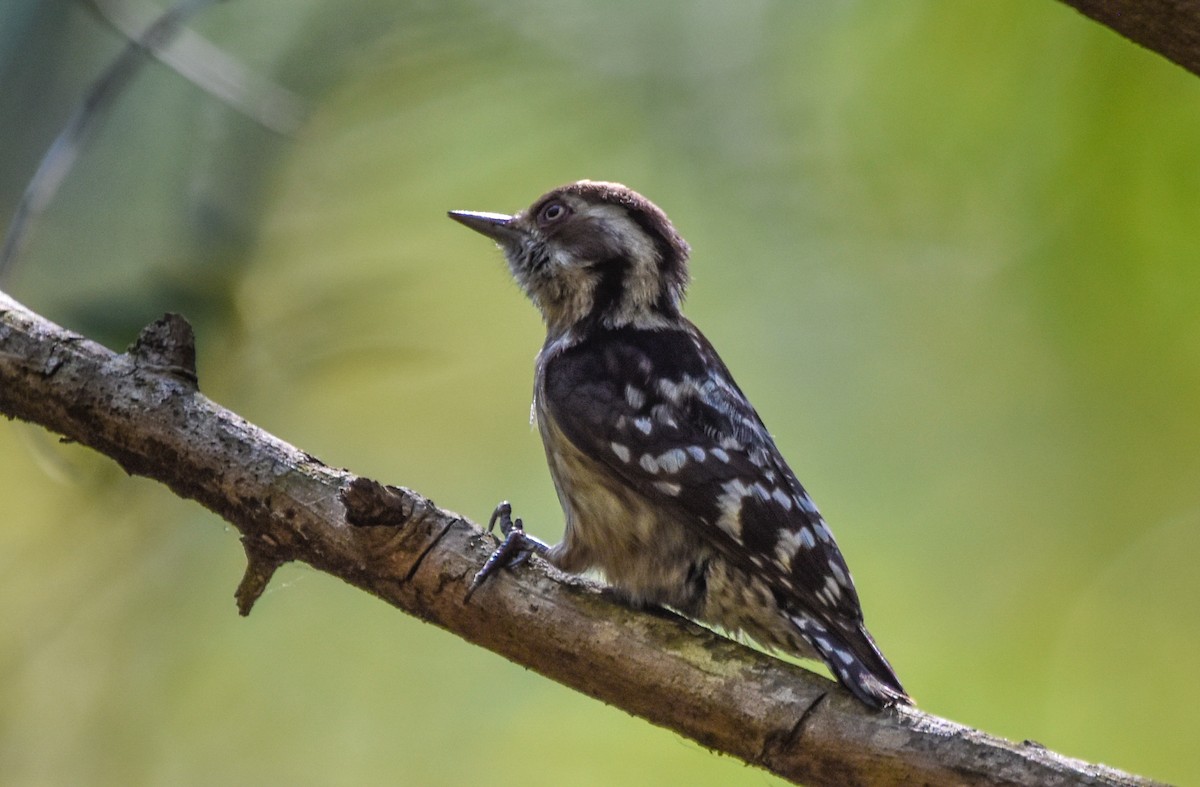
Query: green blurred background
pixel 947 248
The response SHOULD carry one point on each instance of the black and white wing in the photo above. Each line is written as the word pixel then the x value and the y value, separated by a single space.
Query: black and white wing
pixel 661 411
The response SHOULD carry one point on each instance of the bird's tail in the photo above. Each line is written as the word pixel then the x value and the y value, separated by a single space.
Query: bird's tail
pixel 854 658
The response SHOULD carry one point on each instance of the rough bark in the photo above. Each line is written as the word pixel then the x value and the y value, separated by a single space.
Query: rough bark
pixel 143 409
pixel 1168 27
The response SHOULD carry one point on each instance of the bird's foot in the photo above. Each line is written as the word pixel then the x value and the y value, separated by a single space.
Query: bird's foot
pixel 514 550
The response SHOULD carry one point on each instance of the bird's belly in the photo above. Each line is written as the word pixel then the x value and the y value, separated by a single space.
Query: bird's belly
pixel 646 552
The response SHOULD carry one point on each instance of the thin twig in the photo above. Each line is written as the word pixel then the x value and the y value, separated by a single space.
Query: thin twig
pixel 61 155
pixel 214 70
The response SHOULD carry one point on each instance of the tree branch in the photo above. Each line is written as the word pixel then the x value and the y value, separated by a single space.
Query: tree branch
pixel 1168 27
pixel 143 409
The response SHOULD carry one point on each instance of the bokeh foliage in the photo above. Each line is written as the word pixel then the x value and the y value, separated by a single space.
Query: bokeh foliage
pixel 947 248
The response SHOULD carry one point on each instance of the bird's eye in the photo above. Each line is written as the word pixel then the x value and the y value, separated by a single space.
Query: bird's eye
pixel 552 212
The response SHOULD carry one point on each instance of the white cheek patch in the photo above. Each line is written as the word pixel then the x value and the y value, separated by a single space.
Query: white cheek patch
pixel 643 283
pixel 625 233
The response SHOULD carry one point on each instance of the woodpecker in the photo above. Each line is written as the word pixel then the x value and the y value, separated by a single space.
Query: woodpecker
pixel 671 485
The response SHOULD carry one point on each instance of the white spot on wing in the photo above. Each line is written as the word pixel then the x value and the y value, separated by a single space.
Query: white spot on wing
pixel 668 487
pixel 634 397
pixel 649 463
pixel 697 452
pixel 736 488
pixel 719 453
pixel 789 544
pixel 663 415
pixel 838 573
pixel 670 390
pixel 730 506
pixel 671 461
pixel 783 499
pixel 643 425
pixel 621 451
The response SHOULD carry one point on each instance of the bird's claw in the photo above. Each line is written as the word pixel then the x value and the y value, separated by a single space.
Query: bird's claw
pixel 514 550
pixel 503 515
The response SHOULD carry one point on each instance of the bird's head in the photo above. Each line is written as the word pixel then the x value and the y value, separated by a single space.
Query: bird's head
pixel 592 254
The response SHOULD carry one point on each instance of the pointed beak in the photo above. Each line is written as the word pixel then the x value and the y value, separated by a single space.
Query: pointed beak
pixel 496 226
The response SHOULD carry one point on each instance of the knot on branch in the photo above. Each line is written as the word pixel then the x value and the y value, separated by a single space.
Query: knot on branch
pixel 369 503
pixel 168 345
pixel 417 524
